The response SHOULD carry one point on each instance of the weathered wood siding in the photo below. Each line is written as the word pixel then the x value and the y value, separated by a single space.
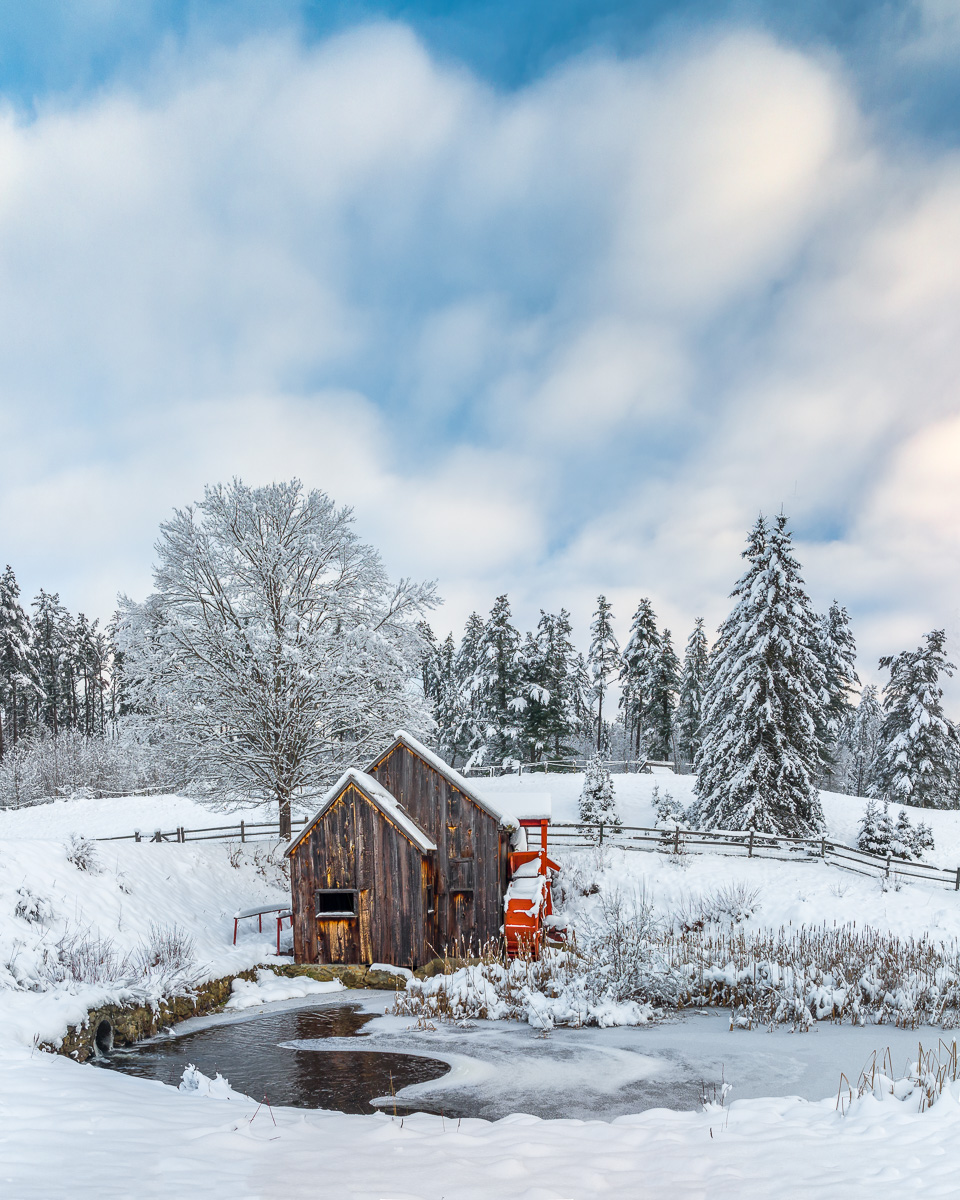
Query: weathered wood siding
pixel 471 859
pixel 354 845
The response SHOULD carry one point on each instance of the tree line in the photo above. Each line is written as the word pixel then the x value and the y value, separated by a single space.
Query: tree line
pixel 769 714
pixel 275 651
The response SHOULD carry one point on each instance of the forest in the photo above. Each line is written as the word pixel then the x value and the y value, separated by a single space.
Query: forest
pixel 275 651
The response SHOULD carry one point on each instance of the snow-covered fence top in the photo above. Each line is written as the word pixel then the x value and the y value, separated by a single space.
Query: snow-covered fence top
pixel 243 831
pixel 675 840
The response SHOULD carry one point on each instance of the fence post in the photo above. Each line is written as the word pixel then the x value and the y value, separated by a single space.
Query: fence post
pixel 676 840
pixel 823 847
pixel 136 838
pixel 243 833
pixel 888 866
pixel 750 846
pixel 157 837
pixel 956 886
pixel 601 833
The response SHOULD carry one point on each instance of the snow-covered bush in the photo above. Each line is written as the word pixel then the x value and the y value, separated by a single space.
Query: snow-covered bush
pixel 169 951
pixel 598 803
pixel 34 909
pixel 71 764
pixel 729 904
pixel 83 854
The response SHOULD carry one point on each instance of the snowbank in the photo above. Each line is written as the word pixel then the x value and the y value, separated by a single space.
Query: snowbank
pixel 269 986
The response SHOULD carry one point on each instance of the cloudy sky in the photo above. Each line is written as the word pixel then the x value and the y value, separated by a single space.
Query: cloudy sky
pixel 556 295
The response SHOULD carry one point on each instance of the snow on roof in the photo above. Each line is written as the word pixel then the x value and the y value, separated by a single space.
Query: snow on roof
pixel 528 806
pixel 505 817
pixel 378 795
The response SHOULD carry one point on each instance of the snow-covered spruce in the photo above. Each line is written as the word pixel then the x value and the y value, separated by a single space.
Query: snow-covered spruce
pixel 763 714
pixel 598 801
pixel 918 757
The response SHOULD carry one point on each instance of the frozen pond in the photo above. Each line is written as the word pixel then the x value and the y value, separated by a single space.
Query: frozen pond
pixel 341 1052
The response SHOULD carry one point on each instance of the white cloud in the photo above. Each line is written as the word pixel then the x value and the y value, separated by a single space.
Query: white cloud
pixel 553 341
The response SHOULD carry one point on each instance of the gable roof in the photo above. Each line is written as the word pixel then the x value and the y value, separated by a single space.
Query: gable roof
pixel 402 738
pixel 378 795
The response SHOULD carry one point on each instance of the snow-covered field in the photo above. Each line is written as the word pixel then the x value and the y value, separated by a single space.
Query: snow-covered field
pixel 73 1130
pixel 634 804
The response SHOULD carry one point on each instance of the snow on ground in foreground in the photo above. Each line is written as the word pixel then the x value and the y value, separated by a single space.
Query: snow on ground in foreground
pixel 634 804
pixel 98 1135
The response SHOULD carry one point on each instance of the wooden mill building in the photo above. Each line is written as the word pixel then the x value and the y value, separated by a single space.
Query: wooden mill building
pixel 399 862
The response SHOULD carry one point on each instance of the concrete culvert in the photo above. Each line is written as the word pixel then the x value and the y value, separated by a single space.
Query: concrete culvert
pixel 103 1038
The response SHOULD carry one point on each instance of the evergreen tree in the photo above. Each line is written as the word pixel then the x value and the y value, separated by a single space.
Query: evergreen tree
pixel 598 802
pixel 917 742
pixel 838 654
pixel 448 701
pixel 18 667
pixel 876 829
pixel 470 735
pixel 498 685
pixel 760 754
pixel 637 664
pixel 603 659
pixel 693 683
pixel 859 744
pixel 54 641
pixel 663 687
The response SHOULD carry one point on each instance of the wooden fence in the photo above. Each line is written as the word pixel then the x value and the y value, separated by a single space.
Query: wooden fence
pixel 576 836
pixel 572 836
pixel 244 831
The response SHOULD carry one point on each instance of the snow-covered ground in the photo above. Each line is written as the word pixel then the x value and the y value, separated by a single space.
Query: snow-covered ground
pixel 73 1130
pixel 633 793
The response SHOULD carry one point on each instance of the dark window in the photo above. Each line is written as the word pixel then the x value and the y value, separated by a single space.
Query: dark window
pixel 431 902
pixel 336 902
pixel 461 875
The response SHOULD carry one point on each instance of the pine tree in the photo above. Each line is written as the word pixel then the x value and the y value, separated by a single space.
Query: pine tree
pixel 760 754
pixel 448 701
pixel 876 829
pixel 917 742
pixel 838 655
pixel 637 664
pixel 902 844
pixel 693 683
pixel 18 666
pixel 859 744
pixel 54 640
pixel 663 687
pixel 471 734
pixel 498 685
pixel 603 658
pixel 598 802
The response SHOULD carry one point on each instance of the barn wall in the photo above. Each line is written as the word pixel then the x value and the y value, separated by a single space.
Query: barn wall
pixel 471 861
pixel 354 846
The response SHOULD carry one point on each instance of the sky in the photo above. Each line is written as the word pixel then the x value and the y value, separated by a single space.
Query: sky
pixel 556 296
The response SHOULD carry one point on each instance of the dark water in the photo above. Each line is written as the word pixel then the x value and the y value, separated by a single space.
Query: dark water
pixel 248 1053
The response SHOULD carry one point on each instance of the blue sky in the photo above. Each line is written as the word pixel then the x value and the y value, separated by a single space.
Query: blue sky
pixel 557 296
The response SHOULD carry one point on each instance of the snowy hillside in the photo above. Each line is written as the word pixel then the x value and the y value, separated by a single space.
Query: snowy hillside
pixel 58 919
pixel 634 792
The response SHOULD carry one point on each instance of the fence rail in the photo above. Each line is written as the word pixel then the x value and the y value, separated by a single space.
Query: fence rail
pixel 573 835
pixel 623 766
pixel 244 831
pixel 577 835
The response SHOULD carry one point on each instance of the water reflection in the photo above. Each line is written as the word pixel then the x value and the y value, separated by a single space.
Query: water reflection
pixel 249 1055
